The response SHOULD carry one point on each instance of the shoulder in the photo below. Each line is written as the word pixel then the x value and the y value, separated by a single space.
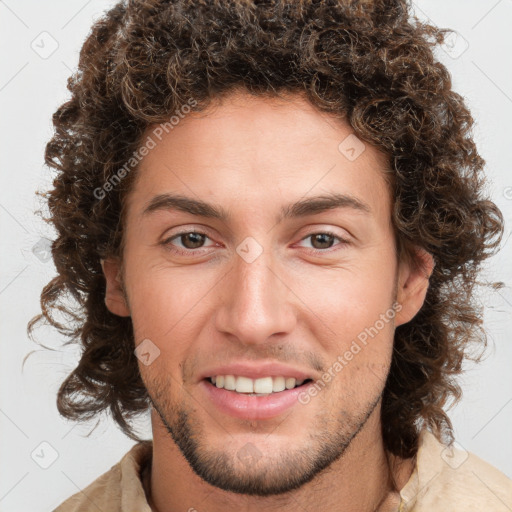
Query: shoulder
pixel 118 490
pixel 451 478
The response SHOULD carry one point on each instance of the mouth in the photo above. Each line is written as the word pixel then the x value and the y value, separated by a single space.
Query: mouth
pixel 253 399
pixel 263 386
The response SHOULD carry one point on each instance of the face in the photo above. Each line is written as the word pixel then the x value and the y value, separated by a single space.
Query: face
pixel 256 246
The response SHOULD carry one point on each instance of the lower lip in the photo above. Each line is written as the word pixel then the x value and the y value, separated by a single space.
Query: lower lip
pixel 253 407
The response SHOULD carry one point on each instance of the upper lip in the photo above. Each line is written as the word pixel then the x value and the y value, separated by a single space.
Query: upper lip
pixel 257 371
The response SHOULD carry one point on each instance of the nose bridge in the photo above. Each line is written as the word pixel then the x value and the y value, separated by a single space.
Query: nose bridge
pixel 254 281
pixel 255 304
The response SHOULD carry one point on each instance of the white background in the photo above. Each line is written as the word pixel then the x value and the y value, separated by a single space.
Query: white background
pixel 32 87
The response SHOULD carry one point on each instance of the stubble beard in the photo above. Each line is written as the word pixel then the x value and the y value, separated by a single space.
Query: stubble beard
pixel 249 470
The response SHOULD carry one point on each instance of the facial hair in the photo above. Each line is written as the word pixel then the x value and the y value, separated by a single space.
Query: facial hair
pixel 248 470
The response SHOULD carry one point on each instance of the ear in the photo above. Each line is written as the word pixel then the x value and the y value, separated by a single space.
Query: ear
pixel 413 281
pixel 114 294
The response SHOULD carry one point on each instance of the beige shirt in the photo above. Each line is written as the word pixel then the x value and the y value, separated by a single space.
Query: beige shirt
pixel 443 480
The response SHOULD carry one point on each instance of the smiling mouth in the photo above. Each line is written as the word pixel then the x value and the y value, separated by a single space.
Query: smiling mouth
pixel 255 387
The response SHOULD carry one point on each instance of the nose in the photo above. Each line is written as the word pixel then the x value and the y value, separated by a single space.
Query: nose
pixel 255 302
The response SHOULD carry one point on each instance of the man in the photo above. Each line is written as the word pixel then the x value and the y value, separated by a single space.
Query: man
pixel 272 217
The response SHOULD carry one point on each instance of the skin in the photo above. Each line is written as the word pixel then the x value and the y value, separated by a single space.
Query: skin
pixel 251 156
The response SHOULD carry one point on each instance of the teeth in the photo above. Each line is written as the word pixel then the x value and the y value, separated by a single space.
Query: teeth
pixel 229 382
pixel 263 385
pixel 290 383
pixel 278 384
pixel 256 387
pixel 244 385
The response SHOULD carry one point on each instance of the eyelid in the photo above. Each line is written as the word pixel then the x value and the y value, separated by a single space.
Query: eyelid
pixel 343 240
pixel 328 229
pixel 166 242
pixel 167 239
pixel 183 230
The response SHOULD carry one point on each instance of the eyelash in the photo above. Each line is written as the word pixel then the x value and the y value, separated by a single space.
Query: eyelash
pixel 190 252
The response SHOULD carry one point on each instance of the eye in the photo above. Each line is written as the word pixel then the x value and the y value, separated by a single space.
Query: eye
pixel 323 241
pixel 192 240
pixel 189 240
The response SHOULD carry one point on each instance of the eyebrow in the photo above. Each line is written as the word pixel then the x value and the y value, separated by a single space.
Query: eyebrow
pixel 302 208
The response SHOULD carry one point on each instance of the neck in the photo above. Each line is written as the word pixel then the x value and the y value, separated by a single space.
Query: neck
pixel 364 479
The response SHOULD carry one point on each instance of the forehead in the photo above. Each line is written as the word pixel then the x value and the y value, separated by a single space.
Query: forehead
pixel 248 152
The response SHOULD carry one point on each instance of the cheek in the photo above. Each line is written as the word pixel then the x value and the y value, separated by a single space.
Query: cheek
pixel 166 303
pixel 356 329
pixel 348 299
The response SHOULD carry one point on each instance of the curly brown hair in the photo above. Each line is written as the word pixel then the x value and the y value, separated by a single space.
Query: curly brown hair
pixel 370 63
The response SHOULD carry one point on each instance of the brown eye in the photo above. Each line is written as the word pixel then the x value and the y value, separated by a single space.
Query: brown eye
pixel 192 240
pixel 322 240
